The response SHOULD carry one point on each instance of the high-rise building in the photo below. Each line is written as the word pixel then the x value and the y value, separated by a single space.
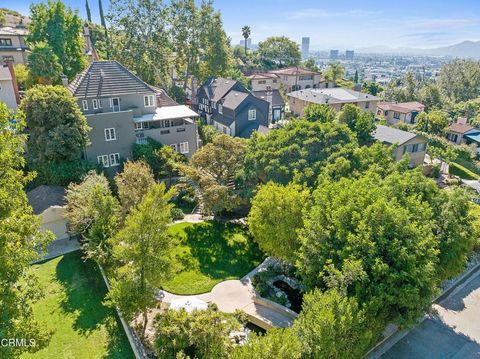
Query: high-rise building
pixel 333 54
pixel 249 43
pixel 349 54
pixel 305 47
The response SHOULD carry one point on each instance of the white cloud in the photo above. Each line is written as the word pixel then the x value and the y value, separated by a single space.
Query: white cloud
pixel 313 13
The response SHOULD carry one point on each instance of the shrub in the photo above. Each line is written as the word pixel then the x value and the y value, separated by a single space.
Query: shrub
pixel 177 214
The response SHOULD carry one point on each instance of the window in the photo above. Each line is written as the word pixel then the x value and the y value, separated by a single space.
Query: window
pixel 274 81
pixel 141 126
pixel 367 104
pixel 174 146
pixel 184 147
pixel 102 160
pixel 110 134
pixel 415 148
pixel 114 159
pixel 7 59
pixel 149 101
pixel 252 115
pixel 269 88
pixel 396 115
pixel 115 104
pixel 85 105
pixel 220 109
pixel 5 42
pixel 261 82
pixel 95 104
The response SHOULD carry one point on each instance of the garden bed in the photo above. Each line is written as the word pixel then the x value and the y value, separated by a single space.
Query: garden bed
pixel 209 253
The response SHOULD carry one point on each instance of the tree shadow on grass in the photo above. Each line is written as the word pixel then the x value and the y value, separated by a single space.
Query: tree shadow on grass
pixel 222 249
pixel 85 290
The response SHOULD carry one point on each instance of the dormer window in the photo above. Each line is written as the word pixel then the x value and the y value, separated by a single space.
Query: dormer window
pixel 220 109
pixel 149 100
pixel 95 104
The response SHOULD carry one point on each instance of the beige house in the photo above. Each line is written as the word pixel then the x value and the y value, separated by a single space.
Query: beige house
pixel 456 131
pixel 400 112
pixel 48 202
pixel 407 143
pixel 334 97
pixel 264 82
pixel 12 44
pixel 8 89
pixel 296 78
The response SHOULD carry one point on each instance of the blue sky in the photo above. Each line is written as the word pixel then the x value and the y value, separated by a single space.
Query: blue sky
pixel 339 23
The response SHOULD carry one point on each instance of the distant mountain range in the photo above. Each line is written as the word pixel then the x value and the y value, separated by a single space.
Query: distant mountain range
pixel 465 49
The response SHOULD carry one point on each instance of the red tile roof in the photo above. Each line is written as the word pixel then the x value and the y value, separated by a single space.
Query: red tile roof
pixel 403 107
pixel 460 127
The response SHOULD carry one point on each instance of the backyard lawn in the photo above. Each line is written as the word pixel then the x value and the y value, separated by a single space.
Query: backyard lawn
pixel 211 252
pixel 72 309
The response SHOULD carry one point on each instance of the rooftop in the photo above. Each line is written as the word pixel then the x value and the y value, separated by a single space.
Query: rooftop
pixel 392 135
pixel 13 31
pixel 218 87
pixel 460 127
pixel 44 197
pixel 402 107
pixel 263 75
pixel 234 98
pixel 273 97
pixel 107 78
pixel 332 95
pixel 294 71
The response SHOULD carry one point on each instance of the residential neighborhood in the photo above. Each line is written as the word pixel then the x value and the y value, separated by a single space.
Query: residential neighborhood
pixel 218 179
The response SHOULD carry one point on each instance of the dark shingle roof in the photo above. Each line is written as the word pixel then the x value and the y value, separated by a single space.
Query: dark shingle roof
pixel 216 88
pixel 234 98
pixel 44 197
pixel 392 135
pixel 107 78
pixel 275 99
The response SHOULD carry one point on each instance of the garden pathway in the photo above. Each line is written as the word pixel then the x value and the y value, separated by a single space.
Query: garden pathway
pixel 232 295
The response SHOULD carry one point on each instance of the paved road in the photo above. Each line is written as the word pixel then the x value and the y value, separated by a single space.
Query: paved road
pixel 452 332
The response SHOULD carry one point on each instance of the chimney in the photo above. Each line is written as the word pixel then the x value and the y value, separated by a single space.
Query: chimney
pixel 14 81
pixel 64 80
pixel 462 120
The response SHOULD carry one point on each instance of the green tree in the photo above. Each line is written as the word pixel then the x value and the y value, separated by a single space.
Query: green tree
pixel 214 168
pixel 459 80
pixel 58 131
pixel 133 183
pixel 246 34
pixel 431 97
pixel 23 76
pixel 60 28
pixel 144 250
pixel 333 326
pixel 323 113
pixel 372 88
pixel 311 65
pixel 199 334
pixel 44 66
pixel 374 236
pixel 139 38
pixel 87 9
pixel 20 240
pixel 334 72
pixel 279 51
pixel 355 78
pixel 276 343
pixel 434 122
pixel 275 217
pixel 361 123
pixel 94 213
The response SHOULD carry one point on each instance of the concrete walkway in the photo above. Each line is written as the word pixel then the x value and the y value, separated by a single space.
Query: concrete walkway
pixel 232 295
pixel 59 247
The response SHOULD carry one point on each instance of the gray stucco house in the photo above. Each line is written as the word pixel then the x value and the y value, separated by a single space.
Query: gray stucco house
pixel 231 108
pixel 122 110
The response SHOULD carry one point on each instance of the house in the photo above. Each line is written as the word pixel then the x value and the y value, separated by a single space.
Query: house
pixel 8 87
pixel 122 110
pixel 334 97
pixel 295 78
pixel 264 81
pixel 457 132
pixel 231 108
pixel 12 44
pixel 407 143
pixel 266 87
pixel 48 202
pixel 400 112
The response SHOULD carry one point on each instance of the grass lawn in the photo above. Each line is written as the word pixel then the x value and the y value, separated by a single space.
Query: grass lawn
pixel 72 309
pixel 461 171
pixel 209 253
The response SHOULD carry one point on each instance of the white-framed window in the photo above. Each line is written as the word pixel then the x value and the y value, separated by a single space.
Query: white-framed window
pixel 110 134
pixel 85 105
pixel 102 160
pixel 114 159
pixel 396 115
pixel 220 109
pixel 184 147
pixel 252 115
pixel 174 146
pixel 115 104
pixel 95 104
pixel 149 100
pixel 141 125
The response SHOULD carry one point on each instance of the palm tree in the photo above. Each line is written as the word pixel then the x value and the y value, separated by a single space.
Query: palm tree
pixel 246 34
pixel 334 72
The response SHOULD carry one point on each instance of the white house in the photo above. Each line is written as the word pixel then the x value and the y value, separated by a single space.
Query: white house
pixel 7 88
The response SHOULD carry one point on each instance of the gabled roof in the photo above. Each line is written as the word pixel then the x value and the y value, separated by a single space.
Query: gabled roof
pixel 44 197
pixel 105 79
pixel 13 31
pixel 294 71
pixel 460 127
pixel 263 75
pixel 402 107
pixel 332 95
pixel 233 99
pixel 392 135
pixel 216 88
pixel 273 97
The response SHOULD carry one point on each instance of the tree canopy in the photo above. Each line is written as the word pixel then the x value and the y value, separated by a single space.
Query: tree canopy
pixel 279 51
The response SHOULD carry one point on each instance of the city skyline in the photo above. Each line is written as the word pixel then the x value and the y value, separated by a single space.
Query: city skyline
pixel 345 25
